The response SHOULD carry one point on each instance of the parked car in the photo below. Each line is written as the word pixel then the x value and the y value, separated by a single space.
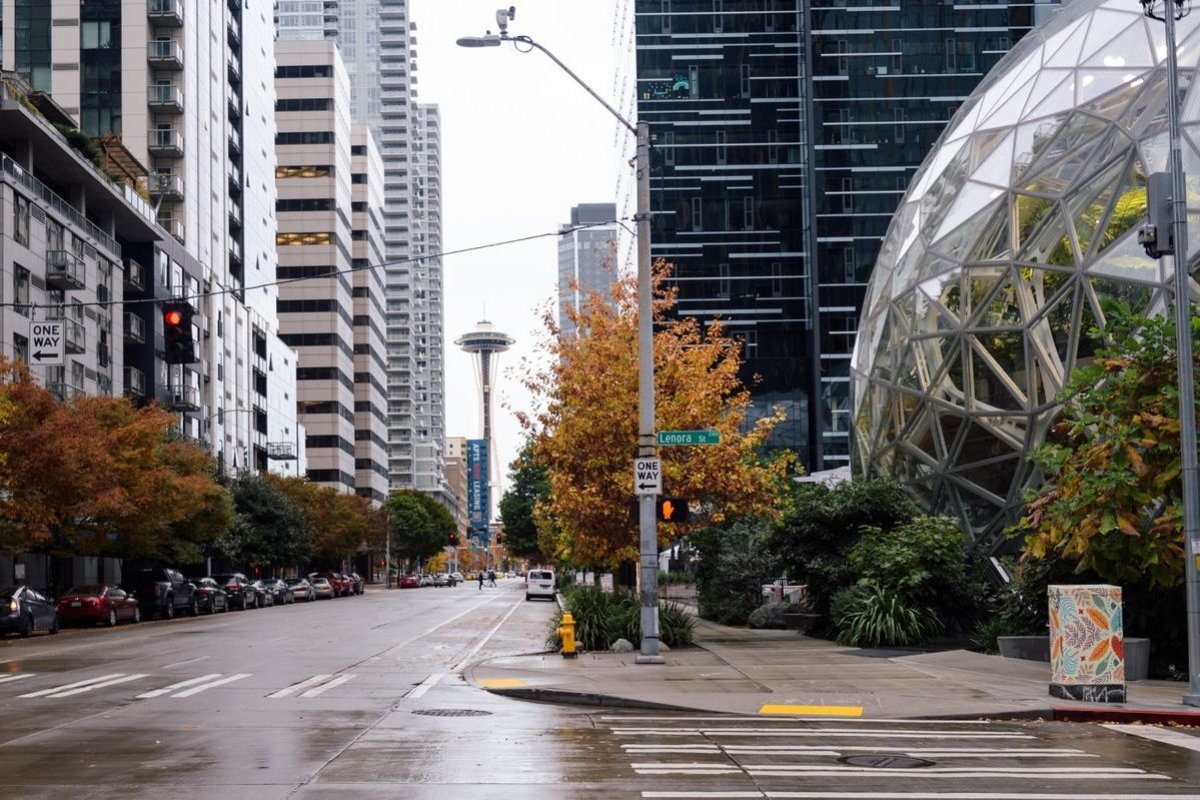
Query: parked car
pixel 237 587
pixel 98 603
pixel 24 610
pixel 162 591
pixel 457 576
pixel 301 589
pixel 210 596
pixel 337 582
pixel 441 579
pixel 263 596
pixel 356 583
pixel 540 583
pixel 410 581
pixel 321 587
pixel 280 590
pixel 426 580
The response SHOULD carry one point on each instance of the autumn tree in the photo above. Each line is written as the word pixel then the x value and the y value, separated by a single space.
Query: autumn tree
pixel 342 524
pixel 1112 498
pixel 585 425
pixel 270 526
pixel 528 485
pixel 421 526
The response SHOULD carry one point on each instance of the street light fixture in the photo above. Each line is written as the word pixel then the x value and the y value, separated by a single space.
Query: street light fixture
pixel 647 443
pixel 1174 10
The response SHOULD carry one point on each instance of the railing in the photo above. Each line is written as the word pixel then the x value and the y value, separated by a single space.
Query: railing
pixel 135 327
pixel 281 451
pixel 162 94
pixel 164 50
pixel 135 275
pixel 166 139
pixel 64 269
pixel 235 138
pixel 65 391
pixel 44 193
pixel 235 249
pixel 165 183
pixel 74 336
pixel 183 398
pixel 135 382
pixel 159 9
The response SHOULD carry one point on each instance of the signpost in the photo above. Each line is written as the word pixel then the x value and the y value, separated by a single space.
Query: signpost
pixel 673 438
pixel 46 346
pixel 647 476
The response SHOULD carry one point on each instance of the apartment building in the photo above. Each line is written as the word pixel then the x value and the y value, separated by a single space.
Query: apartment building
pixel 587 258
pixel 179 98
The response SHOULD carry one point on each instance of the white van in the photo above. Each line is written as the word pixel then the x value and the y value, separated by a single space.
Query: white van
pixel 539 583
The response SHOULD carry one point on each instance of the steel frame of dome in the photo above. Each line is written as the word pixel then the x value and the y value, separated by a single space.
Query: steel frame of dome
pixel 1021 219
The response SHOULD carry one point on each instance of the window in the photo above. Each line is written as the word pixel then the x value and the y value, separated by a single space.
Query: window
pixel 721 150
pixel 849 264
pixel 776 278
pixel 694 81
pixel 303 104
pixel 773 146
pixel 745 80
pixel 20 219
pixel 304 137
pixel 21 290
pixel 305 204
pixel 305 71
pixel 722 280
pixel 697 214
pixel 55 235
pixel 748 213
pixel 97 35
pixel 320 171
pixel 358 150
pixel 669 147
pixel 951 55
pixel 898 115
pixel 358 177
pixel 843 63
pixel 21 347
pixel 716 17
pixel 666 16
pixel 897 56
pixel 304 238
pixel 847 195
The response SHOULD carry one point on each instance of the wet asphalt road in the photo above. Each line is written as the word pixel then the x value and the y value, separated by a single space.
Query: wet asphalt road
pixel 363 697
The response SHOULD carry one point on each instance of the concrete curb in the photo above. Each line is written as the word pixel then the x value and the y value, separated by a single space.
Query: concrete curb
pixel 1145 716
pixel 566 697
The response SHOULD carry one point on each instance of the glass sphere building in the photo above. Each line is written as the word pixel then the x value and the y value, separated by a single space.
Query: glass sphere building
pixel 1021 220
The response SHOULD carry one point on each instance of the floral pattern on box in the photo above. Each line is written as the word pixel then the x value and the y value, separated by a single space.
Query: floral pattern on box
pixel 1087 644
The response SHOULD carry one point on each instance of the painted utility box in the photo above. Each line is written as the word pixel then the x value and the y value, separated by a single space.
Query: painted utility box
pixel 1087 643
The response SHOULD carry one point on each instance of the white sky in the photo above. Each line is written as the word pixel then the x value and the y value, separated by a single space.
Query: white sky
pixel 521 144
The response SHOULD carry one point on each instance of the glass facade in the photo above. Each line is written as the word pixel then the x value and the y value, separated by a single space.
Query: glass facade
pixel 31 42
pixel 1020 222
pixel 100 64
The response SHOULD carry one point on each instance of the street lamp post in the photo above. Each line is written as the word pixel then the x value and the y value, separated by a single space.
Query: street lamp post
pixel 647 443
pixel 1172 11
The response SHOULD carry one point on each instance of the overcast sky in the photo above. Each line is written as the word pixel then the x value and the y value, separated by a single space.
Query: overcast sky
pixel 521 145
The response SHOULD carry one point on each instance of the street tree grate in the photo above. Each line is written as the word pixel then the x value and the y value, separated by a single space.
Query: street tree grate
pixel 452 712
pixel 884 761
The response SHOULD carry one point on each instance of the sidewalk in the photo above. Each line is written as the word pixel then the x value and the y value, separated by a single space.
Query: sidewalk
pixel 741 671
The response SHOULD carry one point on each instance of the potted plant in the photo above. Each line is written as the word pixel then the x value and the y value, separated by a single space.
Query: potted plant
pixel 801 615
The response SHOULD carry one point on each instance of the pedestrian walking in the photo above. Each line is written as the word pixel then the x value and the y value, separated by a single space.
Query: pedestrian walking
pixel 481 576
pixel 492 578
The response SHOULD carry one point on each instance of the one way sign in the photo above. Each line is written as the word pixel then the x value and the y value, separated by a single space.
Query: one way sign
pixel 647 476
pixel 46 343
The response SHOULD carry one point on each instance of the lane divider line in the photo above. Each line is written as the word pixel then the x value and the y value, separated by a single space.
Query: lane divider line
pixel 113 682
pixel 304 684
pixel 174 686
pixel 338 681
pixel 206 686
pixel 462 663
pixel 17 677
pixel 87 682
pixel 425 686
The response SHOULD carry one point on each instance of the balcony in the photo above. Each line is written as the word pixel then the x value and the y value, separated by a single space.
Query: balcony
pixel 165 185
pixel 235 139
pixel 281 451
pixel 168 13
pixel 235 249
pixel 135 328
pixel 163 97
pixel 135 276
pixel 235 104
pixel 165 142
pixel 234 28
pixel 173 225
pixel 182 398
pixel 65 391
pixel 164 54
pixel 235 178
pixel 235 69
pixel 235 214
pixel 135 382
pixel 64 270
pixel 75 336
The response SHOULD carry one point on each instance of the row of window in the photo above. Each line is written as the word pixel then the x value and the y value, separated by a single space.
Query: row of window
pixel 305 204
pixel 318 171
pixel 304 137
pixel 304 71
pixel 304 104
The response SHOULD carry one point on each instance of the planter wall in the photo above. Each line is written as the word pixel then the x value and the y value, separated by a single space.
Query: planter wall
pixel 1026 648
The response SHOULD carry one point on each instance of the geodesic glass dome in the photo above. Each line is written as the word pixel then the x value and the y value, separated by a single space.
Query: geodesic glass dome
pixel 1023 216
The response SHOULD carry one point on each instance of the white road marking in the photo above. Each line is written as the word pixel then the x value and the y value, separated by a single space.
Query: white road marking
pixel 181 663
pixel 206 686
pixel 1164 735
pixel 787 719
pixel 818 732
pixel 174 686
pixel 304 684
pixel 782 795
pixel 425 686
pixel 72 685
pixel 462 662
pixel 338 681
pixel 113 682
pixel 17 677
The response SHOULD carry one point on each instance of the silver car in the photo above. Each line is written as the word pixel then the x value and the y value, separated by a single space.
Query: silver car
pixel 302 589
pixel 322 588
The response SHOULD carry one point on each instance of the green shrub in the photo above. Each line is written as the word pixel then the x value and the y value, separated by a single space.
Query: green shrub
pixel 877 617
pixel 602 618
pixel 733 564
pixel 769 616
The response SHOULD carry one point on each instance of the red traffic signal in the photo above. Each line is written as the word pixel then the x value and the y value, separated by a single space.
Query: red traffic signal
pixel 178 344
pixel 173 317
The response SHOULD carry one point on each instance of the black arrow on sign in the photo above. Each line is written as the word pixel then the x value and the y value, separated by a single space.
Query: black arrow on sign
pixel 39 355
pixel 647 485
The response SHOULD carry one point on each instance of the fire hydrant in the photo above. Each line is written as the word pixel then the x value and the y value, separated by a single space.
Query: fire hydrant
pixel 566 632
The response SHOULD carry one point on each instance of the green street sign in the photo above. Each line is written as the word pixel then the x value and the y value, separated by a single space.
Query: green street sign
pixel 672 438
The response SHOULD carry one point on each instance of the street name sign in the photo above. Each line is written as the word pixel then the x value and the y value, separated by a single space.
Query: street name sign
pixel 671 438
pixel 46 346
pixel 647 476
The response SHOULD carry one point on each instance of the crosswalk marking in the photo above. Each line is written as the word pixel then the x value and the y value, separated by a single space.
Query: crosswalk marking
pixel 295 687
pixel 820 732
pixel 826 795
pixel 87 682
pixel 1164 735
pixel 174 686
pixel 101 685
pixel 338 681
pixel 198 689
pixel 17 677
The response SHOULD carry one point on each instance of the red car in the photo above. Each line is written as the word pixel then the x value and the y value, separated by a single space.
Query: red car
pixel 410 582
pixel 98 603
pixel 340 583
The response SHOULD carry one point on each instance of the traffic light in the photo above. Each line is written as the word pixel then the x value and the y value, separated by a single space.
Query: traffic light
pixel 453 539
pixel 179 347
pixel 499 538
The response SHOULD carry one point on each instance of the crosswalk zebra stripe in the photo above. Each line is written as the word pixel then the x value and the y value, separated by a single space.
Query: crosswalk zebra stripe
pixel 87 682
pixel 206 686
pixel 174 686
pixel 816 733
pixel 101 685
pixel 17 677
pixel 295 687
pixel 338 681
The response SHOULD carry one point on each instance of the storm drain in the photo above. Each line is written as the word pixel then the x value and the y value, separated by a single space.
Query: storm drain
pixel 883 761
pixel 452 712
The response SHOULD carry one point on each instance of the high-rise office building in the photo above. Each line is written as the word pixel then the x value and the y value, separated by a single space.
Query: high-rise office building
pixel 587 257
pixel 785 135
pixel 180 98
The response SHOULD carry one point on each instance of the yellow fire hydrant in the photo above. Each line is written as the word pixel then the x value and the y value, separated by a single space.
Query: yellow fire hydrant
pixel 566 632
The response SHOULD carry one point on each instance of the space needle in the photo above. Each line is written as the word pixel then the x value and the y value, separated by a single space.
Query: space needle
pixel 485 343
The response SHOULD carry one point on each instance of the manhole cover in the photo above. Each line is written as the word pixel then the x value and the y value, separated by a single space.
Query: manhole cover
pixel 883 761
pixel 452 712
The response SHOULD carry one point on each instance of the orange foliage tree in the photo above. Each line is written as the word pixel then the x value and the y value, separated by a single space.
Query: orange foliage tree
pixel 585 425
pixel 95 475
pixel 344 523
